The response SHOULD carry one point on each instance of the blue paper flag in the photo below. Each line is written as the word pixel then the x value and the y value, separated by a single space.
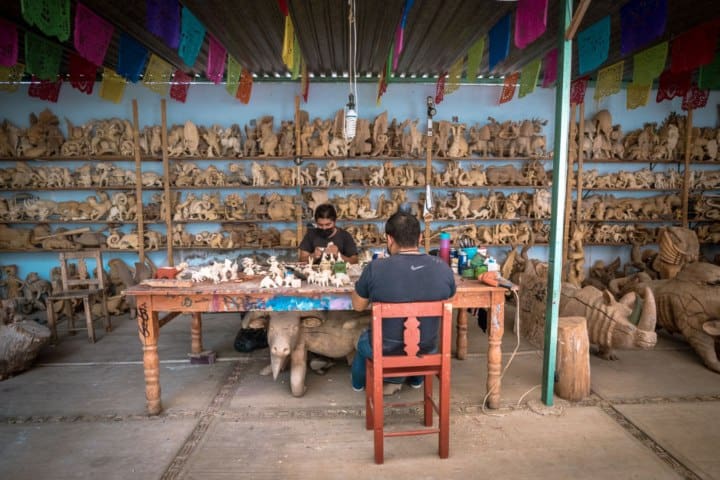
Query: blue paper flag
pixel 641 22
pixel 593 45
pixel 131 58
pixel 499 37
pixel 191 38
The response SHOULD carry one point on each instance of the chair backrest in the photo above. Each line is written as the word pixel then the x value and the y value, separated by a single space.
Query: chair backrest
pixel 412 312
pixel 80 276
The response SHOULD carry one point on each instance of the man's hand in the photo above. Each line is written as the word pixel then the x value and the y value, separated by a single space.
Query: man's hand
pixel 318 252
pixel 332 249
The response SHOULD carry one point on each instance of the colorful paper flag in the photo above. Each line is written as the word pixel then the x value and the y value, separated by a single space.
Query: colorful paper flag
pixel 131 58
pixel 288 54
pixel 8 43
pixel 637 95
pixel 92 34
pixel 112 87
pixel 44 89
pixel 82 73
pixel 577 90
pixel 233 75
pixel 593 45
pixel 649 64
pixel 52 17
pixel 695 98
pixel 695 47
pixel 42 57
pixel 244 90
pixel 215 60
pixel 162 18
pixel 297 60
pixel 474 58
pixel 499 38
pixel 672 85
pixel 508 90
pixel 180 86
pixel 191 37
pixel 158 75
pixel 400 33
pixel 709 77
pixel 454 76
pixel 609 80
pixel 530 21
pixel 641 22
pixel 550 69
pixel 529 77
pixel 440 89
pixel 10 77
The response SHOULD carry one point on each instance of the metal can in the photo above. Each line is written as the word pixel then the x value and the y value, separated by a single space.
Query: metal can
pixel 462 261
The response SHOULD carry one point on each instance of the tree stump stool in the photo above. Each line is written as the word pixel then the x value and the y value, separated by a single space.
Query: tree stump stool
pixel 573 359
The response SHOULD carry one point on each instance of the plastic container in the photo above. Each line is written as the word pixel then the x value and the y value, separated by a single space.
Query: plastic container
pixel 445 247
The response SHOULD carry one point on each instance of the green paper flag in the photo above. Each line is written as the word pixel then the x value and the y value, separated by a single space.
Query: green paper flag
pixel 52 17
pixel 709 78
pixel 649 64
pixel 42 57
pixel 233 75
pixel 474 57
pixel 529 78
pixel 297 60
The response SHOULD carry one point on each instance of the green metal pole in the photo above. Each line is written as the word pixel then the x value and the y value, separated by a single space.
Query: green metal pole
pixel 559 182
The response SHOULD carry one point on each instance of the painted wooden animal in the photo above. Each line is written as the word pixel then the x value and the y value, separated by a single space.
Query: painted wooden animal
pixel 291 335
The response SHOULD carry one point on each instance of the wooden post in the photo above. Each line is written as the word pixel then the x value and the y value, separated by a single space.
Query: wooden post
pixel 686 176
pixel 138 185
pixel 581 155
pixel 568 193
pixel 166 184
pixel 573 359
pixel 428 183
pixel 299 201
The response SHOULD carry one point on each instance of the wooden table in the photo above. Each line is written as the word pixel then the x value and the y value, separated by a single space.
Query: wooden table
pixel 248 296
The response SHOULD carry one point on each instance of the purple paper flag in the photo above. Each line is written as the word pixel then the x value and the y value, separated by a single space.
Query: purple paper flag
pixel 641 22
pixel 550 68
pixel 215 60
pixel 163 20
pixel 8 43
pixel 530 21
pixel 499 41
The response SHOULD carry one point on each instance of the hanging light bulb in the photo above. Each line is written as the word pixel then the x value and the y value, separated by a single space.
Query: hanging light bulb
pixel 350 118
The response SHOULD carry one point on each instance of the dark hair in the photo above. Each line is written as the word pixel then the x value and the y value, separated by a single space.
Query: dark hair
pixel 404 228
pixel 325 211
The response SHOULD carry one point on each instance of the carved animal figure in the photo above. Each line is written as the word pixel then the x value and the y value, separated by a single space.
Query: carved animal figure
pixel 292 335
pixel 459 146
pixel 611 324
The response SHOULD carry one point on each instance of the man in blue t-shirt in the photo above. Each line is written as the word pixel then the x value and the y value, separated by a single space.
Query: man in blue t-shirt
pixel 405 276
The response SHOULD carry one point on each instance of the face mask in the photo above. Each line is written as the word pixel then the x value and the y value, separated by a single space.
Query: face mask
pixel 325 232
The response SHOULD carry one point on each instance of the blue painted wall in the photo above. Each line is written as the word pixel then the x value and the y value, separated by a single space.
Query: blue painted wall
pixel 208 104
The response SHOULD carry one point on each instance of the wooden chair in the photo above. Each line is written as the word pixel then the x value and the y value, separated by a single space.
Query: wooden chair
pixel 77 284
pixel 428 365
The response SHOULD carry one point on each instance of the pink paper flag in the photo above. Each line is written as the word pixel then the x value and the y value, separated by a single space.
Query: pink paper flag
pixel 180 85
pixel 530 21
pixel 8 43
pixel 550 68
pixel 92 34
pixel 215 60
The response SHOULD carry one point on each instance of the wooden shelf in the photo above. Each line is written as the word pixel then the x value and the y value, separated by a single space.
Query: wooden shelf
pixel 82 158
pixel 70 189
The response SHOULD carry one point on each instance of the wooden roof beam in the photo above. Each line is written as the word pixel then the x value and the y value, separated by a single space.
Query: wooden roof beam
pixel 577 19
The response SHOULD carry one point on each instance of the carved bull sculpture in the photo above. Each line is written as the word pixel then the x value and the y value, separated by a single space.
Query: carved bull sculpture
pixel 624 324
pixel 292 334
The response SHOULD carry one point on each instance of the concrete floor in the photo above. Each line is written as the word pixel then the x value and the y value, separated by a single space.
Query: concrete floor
pixel 80 413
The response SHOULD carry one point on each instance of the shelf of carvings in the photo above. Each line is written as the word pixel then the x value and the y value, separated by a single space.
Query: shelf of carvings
pixel 58 250
pixel 85 222
pixel 384 158
pixel 632 220
pixel 72 189
pixel 645 190
pixel 82 158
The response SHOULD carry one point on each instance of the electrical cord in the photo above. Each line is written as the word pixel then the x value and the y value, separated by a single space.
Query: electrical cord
pixel 512 356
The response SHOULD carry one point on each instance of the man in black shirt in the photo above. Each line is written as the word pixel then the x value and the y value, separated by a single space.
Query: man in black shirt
pixel 405 276
pixel 326 237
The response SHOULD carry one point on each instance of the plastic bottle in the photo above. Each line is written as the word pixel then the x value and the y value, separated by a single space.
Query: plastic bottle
pixel 445 247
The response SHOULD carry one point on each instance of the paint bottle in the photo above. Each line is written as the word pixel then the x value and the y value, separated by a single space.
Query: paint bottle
pixel 445 247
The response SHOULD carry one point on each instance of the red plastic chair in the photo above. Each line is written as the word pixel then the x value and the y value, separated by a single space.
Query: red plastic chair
pixel 428 365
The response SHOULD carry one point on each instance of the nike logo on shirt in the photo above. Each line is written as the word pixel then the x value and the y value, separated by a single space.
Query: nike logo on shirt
pixel 415 268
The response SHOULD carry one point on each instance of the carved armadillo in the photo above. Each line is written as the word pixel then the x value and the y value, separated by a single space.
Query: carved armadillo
pixel 627 323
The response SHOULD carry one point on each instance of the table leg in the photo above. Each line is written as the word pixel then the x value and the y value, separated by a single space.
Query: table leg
pixel 496 327
pixel 149 331
pixel 196 333
pixel 461 334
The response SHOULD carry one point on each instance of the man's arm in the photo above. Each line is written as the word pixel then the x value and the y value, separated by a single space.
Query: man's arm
pixel 359 303
pixel 350 259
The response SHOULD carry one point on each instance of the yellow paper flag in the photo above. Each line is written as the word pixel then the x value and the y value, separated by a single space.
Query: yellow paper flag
pixel 637 96
pixel 454 76
pixel 288 47
pixel 649 64
pixel 474 57
pixel 112 87
pixel 157 75
pixel 233 75
pixel 10 77
pixel 609 81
